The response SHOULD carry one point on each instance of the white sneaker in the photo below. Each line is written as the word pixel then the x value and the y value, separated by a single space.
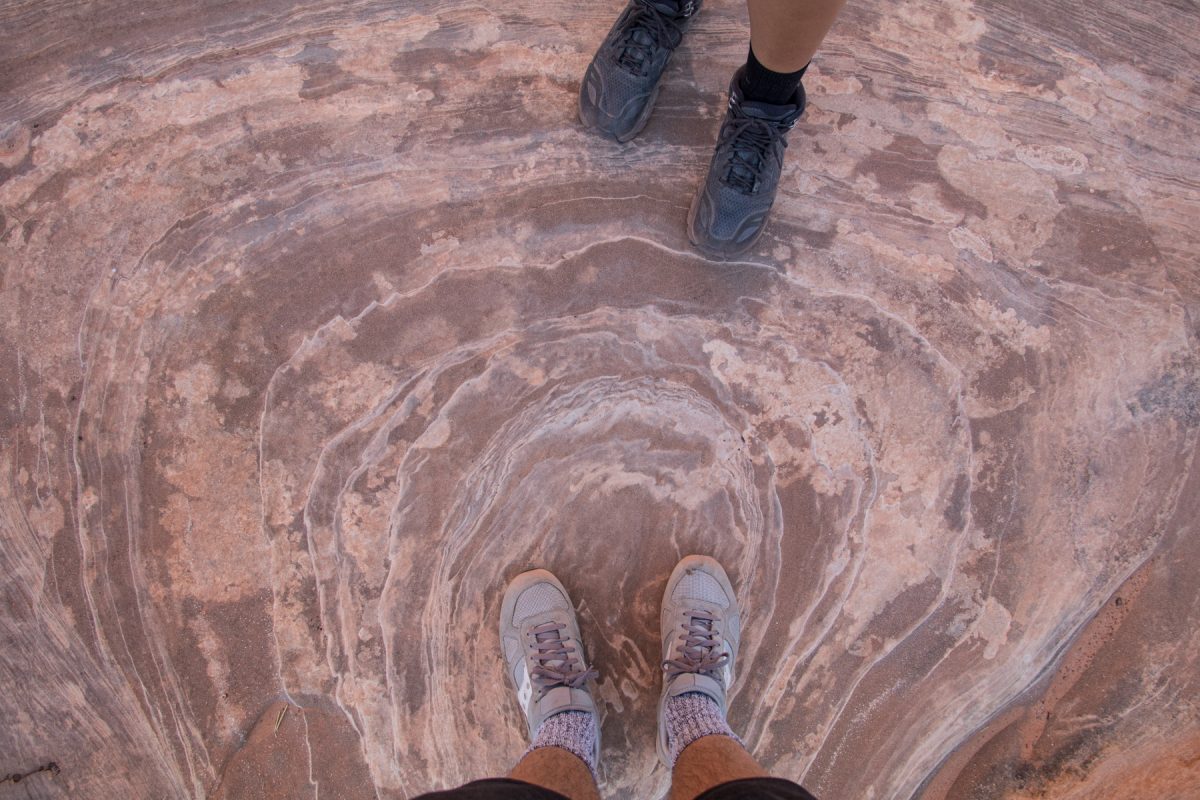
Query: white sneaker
pixel 701 626
pixel 539 637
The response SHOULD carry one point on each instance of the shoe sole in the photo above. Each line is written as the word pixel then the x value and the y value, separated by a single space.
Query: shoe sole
pixel 687 563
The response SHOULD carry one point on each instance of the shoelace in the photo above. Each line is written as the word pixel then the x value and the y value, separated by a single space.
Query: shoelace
pixel 648 30
pixel 555 664
pixel 751 141
pixel 696 651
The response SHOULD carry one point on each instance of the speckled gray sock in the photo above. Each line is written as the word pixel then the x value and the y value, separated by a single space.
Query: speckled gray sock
pixel 690 716
pixel 574 731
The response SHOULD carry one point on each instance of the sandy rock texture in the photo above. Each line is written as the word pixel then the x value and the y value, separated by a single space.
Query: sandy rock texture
pixel 320 321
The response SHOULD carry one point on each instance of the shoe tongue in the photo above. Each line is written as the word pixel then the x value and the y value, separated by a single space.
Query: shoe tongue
pixel 637 48
pixel 695 682
pixel 549 636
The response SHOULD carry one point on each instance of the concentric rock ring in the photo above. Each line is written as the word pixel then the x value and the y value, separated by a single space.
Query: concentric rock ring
pixel 604 442
pixel 321 322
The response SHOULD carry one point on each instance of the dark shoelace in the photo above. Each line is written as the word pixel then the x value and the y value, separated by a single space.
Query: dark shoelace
pixel 555 664
pixel 648 30
pixel 696 652
pixel 751 141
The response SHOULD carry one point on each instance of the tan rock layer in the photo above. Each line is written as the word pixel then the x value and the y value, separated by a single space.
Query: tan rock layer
pixel 320 323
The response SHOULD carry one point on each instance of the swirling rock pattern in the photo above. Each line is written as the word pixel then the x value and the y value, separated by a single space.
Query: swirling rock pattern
pixel 322 321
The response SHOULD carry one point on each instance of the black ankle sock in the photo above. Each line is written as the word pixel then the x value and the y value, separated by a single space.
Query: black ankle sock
pixel 761 85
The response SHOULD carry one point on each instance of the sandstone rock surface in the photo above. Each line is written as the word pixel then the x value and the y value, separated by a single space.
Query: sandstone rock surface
pixel 321 321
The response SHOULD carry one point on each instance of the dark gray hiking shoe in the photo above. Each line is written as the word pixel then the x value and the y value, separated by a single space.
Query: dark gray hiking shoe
pixel 621 84
pixel 730 208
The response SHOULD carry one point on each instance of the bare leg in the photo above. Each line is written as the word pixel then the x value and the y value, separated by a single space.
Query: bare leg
pixel 708 762
pixel 558 770
pixel 785 34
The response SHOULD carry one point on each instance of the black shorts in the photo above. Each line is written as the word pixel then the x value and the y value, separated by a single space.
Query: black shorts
pixel 509 789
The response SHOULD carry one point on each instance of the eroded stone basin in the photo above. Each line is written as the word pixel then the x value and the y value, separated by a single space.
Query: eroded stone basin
pixel 321 323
